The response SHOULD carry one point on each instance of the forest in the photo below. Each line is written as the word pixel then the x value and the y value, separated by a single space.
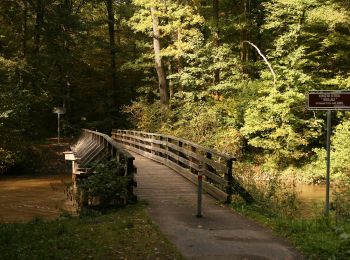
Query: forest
pixel 229 74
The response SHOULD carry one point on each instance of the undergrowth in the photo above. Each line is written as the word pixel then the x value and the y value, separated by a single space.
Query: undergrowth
pixel 278 207
pixel 118 234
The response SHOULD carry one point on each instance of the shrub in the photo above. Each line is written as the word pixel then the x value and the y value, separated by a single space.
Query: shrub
pixel 7 159
pixel 108 184
pixel 342 198
pixel 273 195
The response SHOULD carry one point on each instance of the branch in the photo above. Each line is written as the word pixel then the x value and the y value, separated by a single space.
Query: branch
pixel 266 61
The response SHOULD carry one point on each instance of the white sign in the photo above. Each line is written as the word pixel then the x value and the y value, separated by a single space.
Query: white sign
pixel 59 110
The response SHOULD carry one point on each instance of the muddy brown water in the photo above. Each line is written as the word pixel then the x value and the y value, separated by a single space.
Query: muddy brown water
pixel 312 193
pixel 24 198
pixel 312 199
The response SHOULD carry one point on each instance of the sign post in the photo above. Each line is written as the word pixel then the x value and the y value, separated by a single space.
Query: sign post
pixel 328 160
pixel 328 100
pixel 59 111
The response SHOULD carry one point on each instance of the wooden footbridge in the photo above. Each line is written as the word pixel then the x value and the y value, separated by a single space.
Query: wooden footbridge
pixel 162 161
pixel 184 157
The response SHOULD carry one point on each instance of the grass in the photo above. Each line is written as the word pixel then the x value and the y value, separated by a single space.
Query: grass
pixel 316 238
pixel 126 233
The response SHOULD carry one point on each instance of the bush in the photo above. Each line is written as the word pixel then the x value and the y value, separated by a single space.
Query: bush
pixel 315 171
pixel 342 198
pixel 7 159
pixel 274 196
pixel 108 184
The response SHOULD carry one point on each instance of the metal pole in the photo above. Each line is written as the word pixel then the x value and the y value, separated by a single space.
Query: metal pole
pixel 329 122
pixel 200 191
pixel 58 128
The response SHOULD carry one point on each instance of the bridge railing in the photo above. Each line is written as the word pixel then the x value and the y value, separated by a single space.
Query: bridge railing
pixel 93 147
pixel 185 157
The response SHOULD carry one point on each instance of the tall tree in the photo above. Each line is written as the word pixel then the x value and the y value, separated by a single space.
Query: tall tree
pixel 163 89
pixel 112 47
pixel 216 35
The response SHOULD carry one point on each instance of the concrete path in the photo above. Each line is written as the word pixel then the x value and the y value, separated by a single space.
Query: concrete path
pixel 220 234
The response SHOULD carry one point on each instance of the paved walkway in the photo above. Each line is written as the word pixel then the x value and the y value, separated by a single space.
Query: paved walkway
pixel 220 234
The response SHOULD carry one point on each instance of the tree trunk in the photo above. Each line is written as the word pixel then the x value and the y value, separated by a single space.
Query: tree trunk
pixel 112 46
pixel 179 62
pixel 39 21
pixel 244 35
pixel 158 59
pixel 25 29
pixel 216 36
pixel 171 82
pixel 22 80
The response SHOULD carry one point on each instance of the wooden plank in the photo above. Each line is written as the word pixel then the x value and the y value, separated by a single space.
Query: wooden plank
pixel 154 148
pixel 146 143
pixel 204 149
pixel 187 162
pixel 210 189
pixel 215 178
pixel 199 157
pixel 142 139
pixel 109 140
pixel 216 165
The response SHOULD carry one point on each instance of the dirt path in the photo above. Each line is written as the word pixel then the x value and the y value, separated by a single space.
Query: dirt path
pixel 42 195
pixel 220 234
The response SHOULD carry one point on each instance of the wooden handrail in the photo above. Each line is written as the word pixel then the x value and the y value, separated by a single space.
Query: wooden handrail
pixel 187 158
pixel 93 147
pixel 110 141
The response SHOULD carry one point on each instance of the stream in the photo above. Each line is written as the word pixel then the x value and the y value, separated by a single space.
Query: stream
pixel 312 199
pixel 23 198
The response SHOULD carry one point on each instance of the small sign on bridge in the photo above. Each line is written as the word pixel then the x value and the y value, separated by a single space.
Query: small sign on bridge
pixel 329 100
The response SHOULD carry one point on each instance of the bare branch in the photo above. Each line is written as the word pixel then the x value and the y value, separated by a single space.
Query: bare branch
pixel 266 61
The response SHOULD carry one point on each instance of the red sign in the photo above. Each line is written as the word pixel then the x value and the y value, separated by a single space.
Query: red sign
pixel 329 100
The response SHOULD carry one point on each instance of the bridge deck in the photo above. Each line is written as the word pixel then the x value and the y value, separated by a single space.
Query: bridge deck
pixel 220 234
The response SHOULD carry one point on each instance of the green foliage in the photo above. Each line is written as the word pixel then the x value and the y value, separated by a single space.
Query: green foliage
pixel 146 116
pixel 103 236
pixel 7 159
pixel 341 195
pixel 318 238
pixel 108 184
pixel 223 95
pixel 340 149
pixel 195 117
pixel 274 196
pixel 276 124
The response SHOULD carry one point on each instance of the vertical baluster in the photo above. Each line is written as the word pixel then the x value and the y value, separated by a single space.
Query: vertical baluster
pixel 179 153
pixel 208 167
pixel 193 161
